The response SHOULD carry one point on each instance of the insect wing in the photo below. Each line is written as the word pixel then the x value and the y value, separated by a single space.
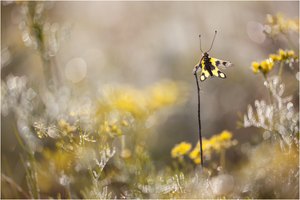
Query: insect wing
pixel 216 72
pixel 204 72
pixel 220 63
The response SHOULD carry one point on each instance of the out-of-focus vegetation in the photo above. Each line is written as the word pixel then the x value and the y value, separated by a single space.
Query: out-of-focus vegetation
pixel 109 122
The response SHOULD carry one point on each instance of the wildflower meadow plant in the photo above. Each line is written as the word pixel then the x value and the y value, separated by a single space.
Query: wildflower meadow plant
pixel 278 119
pixel 279 24
pixel 217 144
pixel 283 57
pixel 73 140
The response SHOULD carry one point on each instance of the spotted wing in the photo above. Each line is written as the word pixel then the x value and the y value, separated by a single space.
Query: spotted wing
pixel 220 63
pixel 211 70
pixel 204 72
pixel 216 72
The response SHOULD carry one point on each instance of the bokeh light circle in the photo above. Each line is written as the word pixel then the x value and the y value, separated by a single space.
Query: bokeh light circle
pixel 255 32
pixel 76 70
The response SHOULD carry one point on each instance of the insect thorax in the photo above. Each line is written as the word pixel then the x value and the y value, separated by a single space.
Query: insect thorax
pixel 206 58
pixel 207 62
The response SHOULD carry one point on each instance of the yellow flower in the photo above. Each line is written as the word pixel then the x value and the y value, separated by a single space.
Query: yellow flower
pixel 116 129
pixel 255 67
pixel 195 153
pixel 265 66
pixel 163 94
pixel 293 25
pixel 275 57
pixel 270 64
pixel 286 24
pixel 205 145
pixel 110 128
pixel 197 160
pixel 181 149
pixel 140 104
pixel 215 144
pixel 61 160
pixel 279 24
pixel 105 127
pixel 291 53
pixel 65 126
pixel 225 135
pixel 282 54
pixel 129 100
pixel 270 19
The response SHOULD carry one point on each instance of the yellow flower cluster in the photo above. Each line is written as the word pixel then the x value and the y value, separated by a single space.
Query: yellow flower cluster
pixel 61 160
pixel 54 162
pixel 139 103
pixel 180 149
pixel 283 55
pixel 216 143
pixel 265 66
pixel 113 128
pixel 66 127
pixel 195 153
pixel 161 95
pixel 279 24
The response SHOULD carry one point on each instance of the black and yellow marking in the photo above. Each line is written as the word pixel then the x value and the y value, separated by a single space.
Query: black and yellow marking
pixel 209 67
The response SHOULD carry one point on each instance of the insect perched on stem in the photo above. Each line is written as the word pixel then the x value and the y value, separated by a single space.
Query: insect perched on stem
pixel 209 67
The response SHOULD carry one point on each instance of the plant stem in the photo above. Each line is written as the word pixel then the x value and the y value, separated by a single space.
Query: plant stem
pixel 31 176
pixel 20 140
pixel 199 119
pixel 280 69
pixel 269 89
pixel 290 42
pixel 14 185
pixel 222 158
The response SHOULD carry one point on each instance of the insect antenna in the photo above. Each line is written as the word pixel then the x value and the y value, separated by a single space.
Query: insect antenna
pixel 212 41
pixel 200 43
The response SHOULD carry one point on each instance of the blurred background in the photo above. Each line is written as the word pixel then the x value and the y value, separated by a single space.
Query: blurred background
pixel 87 46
